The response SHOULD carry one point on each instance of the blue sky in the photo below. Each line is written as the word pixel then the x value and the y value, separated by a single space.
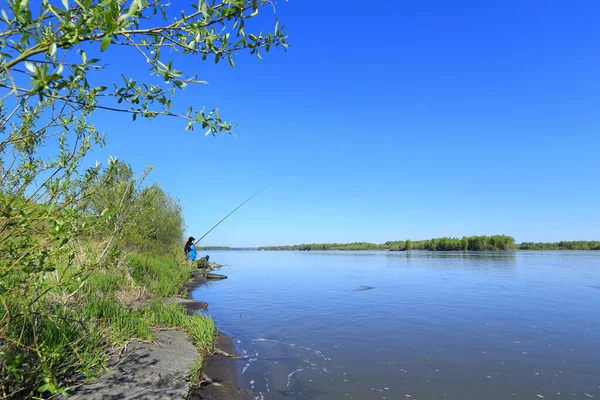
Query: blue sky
pixel 405 120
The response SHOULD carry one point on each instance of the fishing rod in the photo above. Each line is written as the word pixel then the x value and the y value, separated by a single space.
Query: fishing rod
pixel 234 210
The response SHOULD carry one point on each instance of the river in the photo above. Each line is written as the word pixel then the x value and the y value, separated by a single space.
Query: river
pixel 411 325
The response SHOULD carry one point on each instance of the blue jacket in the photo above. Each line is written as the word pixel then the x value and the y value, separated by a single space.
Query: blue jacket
pixel 192 253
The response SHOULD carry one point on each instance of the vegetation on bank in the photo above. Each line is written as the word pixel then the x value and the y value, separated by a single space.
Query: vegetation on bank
pixel 79 240
pixel 58 319
pixel 562 245
pixel 328 246
pixel 470 243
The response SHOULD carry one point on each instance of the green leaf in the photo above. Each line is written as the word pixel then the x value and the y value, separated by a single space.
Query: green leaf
pixel 83 57
pixel 135 6
pixel 31 67
pixel 231 62
pixel 43 388
pixel 5 16
pixel 66 4
pixel 105 42
pixel 52 49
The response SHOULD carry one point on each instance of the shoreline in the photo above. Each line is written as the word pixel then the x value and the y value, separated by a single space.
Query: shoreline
pixel 167 366
pixel 220 378
pixel 420 250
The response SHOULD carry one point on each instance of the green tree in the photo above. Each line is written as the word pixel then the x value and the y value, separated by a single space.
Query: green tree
pixel 49 91
pixel 158 223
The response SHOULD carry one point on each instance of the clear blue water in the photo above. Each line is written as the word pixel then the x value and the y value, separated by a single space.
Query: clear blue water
pixel 412 325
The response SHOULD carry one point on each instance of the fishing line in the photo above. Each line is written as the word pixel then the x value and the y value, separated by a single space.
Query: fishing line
pixel 234 210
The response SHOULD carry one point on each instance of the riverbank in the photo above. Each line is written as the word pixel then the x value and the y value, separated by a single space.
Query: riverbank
pixel 219 378
pixel 174 364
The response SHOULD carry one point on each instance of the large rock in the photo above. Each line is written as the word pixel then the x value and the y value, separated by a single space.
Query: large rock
pixel 147 371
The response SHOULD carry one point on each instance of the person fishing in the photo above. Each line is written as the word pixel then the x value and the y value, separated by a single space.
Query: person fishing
pixel 190 251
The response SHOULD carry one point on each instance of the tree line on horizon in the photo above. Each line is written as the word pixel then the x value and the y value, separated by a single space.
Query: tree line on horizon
pixel 471 243
pixel 562 245
pixel 466 243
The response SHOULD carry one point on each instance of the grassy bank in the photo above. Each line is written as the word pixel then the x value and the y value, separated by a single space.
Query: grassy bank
pixel 57 336
pixel 69 223
pixel 72 262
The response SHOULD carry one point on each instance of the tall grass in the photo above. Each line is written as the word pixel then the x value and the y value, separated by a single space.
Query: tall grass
pixel 105 282
pixel 44 351
pixel 161 275
pixel 120 323
pixel 49 343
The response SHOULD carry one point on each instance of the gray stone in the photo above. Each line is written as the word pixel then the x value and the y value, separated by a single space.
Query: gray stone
pixel 147 371
pixel 191 305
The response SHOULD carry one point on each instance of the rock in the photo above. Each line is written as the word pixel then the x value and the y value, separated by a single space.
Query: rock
pixel 215 276
pixel 147 371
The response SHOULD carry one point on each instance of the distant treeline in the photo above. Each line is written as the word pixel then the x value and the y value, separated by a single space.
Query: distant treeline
pixel 214 248
pixel 562 245
pixel 329 246
pixel 470 243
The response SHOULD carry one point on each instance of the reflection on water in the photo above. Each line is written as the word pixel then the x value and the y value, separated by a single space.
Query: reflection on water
pixel 412 325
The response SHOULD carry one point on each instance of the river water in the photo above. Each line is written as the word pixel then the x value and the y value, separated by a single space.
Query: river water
pixel 411 325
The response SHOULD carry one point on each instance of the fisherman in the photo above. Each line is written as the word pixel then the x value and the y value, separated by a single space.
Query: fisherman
pixel 190 252
pixel 203 262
